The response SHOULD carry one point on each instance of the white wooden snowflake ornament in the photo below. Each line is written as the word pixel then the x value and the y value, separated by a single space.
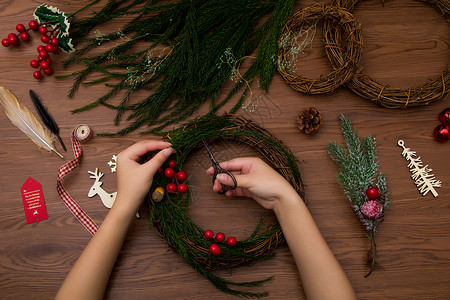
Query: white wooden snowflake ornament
pixel 113 164
pixel 424 181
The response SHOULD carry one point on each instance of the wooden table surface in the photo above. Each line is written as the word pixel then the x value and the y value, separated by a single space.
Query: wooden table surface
pixel 406 43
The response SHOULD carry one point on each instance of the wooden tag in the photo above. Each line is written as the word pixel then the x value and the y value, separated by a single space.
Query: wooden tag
pixel 33 201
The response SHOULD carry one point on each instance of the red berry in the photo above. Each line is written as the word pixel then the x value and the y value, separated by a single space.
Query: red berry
pixel 33 25
pixel 34 64
pixel 40 58
pixel 37 74
pixel 169 172
pixel 5 43
pixel 373 193
pixel 48 71
pixel 182 188
pixel 231 241
pixel 44 65
pixel 372 209
pixel 40 48
pixel 24 36
pixel 54 41
pixel 20 28
pixel 181 176
pixel 43 54
pixel 13 40
pixel 172 163
pixel 55 49
pixel 160 171
pixel 49 60
pixel 171 187
pixel 214 249
pixel 220 237
pixel 45 38
pixel 43 30
pixel 49 48
pixel 209 234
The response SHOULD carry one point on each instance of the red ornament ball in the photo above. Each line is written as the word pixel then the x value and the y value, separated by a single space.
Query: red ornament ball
pixel 171 187
pixel 373 193
pixel 214 249
pixel 182 188
pixel 172 163
pixel 209 234
pixel 37 74
pixel 5 43
pixel 181 176
pixel 33 25
pixel 48 71
pixel 372 209
pixel 231 241
pixel 169 172
pixel 444 116
pixel 20 28
pixel 441 133
pixel 220 237
pixel 34 64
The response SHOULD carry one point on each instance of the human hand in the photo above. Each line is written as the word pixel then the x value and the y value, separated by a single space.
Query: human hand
pixel 255 179
pixel 134 176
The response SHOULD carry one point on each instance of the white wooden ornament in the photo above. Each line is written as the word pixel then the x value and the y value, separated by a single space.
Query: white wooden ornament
pixel 96 189
pixel 424 181
pixel 113 164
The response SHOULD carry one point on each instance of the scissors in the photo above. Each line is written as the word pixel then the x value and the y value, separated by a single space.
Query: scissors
pixel 218 170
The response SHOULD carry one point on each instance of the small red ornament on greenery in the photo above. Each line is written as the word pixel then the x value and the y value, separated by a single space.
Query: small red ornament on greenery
pixel 372 209
pixel 169 172
pixel 171 187
pixel 231 241
pixel 373 193
pixel 182 188
pixel 181 176
pixel 220 237
pixel 214 249
pixel 209 234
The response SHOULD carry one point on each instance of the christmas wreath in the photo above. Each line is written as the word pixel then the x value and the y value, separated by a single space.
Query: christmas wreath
pixel 169 213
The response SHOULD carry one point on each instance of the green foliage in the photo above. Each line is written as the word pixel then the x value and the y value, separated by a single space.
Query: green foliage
pixel 180 63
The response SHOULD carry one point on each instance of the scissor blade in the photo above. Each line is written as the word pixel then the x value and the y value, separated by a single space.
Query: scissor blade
pixel 209 151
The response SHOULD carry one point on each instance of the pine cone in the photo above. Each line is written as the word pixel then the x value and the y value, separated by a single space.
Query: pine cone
pixel 309 120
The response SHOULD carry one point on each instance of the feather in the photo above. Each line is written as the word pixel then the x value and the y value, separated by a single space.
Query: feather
pixel 46 117
pixel 26 121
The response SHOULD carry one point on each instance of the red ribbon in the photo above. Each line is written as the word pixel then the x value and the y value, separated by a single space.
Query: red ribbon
pixel 74 208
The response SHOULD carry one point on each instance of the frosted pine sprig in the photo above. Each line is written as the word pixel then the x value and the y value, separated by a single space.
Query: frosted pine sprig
pixel 424 181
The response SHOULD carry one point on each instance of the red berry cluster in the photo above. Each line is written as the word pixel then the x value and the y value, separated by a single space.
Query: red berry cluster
pixel 43 60
pixel 214 248
pixel 176 179
pixel 442 132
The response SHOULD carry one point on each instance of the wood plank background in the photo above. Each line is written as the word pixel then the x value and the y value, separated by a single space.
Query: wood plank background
pixel 406 44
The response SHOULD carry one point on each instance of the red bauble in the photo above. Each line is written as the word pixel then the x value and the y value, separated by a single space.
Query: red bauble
pixel 172 163
pixel 34 64
pixel 182 188
pixel 5 43
pixel 231 241
pixel 24 36
pixel 220 237
pixel 33 25
pixel 37 74
pixel 169 172
pixel 444 116
pixel 48 71
pixel 214 249
pixel 441 133
pixel 209 234
pixel 171 187
pixel 20 28
pixel 373 193
pixel 181 176
pixel 372 209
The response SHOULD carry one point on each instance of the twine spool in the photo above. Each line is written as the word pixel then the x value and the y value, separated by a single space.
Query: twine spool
pixel 83 133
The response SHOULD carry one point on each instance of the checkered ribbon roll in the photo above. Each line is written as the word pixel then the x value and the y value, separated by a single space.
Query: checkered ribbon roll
pixel 74 208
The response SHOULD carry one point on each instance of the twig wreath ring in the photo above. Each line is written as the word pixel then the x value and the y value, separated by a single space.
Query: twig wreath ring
pixel 343 47
pixel 364 86
pixel 169 216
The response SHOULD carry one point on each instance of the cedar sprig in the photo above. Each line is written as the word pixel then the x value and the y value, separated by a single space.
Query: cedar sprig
pixel 198 34
pixel 358 164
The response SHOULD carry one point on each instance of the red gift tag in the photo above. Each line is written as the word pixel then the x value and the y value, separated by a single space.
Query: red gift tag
pixel 33 201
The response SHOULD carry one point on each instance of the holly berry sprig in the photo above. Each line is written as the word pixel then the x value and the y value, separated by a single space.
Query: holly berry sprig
pixel 48 37
pixel 214 248
pixel 176 181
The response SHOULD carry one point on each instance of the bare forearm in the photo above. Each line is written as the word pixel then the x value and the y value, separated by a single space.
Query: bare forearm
pixel 89 276
pixel 321 274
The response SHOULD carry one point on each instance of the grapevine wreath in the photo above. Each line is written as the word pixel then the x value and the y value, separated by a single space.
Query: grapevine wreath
pixel 169 216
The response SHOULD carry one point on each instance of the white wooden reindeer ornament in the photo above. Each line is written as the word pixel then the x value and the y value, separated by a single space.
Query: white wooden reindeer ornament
pixel 96 189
